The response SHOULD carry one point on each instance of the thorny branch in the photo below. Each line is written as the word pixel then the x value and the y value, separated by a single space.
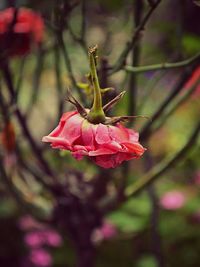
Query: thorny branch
pixel 122 58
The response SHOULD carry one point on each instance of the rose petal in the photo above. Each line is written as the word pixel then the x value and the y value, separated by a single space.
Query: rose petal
pixel 118 134
pixel 56 141
pixel 102 134
pixel 87 134
pixel 135 148
pixel 72 128
pixel 101 151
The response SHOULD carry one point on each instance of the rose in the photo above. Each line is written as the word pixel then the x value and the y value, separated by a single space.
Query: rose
pixel 18 30
pixel 107 145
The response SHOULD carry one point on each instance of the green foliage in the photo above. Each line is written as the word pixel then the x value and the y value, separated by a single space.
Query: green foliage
pixel 191 43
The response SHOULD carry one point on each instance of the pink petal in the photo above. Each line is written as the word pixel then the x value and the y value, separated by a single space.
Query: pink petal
pixel 101 151
pixel 57 141
pixel 87 133
pixel 72 128
pixel 135 148
pixel 104 161
pixel 102 134
pixel 56 132
pixel 114 146
pixel 133 136
pixel 67 115
pixel 118 134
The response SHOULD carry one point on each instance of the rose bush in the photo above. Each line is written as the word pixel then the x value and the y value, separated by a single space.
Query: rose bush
pixel 107 145
pixel 18 30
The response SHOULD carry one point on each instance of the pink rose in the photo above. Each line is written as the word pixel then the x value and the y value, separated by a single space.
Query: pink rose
pixel 107 145
pixel 27 28
pixel 173 200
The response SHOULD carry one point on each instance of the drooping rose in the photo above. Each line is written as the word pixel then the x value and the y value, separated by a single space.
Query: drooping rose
pixel 107 145
pixel 19 29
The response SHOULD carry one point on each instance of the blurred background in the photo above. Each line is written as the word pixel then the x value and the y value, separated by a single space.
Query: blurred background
pixel 54 210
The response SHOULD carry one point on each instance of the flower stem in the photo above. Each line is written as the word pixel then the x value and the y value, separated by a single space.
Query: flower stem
pixel 96 114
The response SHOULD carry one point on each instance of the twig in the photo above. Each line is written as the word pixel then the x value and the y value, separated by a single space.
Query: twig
pixel 36 80
pixel 149 88
pixel 69 66
pixel 17 195
pixel 22 121
pixel 138 11
pixel 163 66
pixel 83 24
pixel 59 83
pixel 121 60
pixel 175 105
pixel 81 40
pixel 155 235
pixel 179 86
pixel 154 227
pixel 161 168
pixel 39 177
pixel 20 78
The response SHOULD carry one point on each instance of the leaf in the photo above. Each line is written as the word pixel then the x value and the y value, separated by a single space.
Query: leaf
pixel 126 222
pixel 147 261
pixel 191 43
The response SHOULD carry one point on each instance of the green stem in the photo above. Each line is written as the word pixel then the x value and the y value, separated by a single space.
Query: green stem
pixel 96 114
pixel 163 66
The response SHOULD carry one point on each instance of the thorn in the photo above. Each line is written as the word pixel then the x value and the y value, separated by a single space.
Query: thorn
pixel 114 101
pixel 70 98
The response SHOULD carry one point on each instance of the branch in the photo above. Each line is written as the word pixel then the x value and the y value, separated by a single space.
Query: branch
pixel 161 168
pixel 136 52
pixel 59 83
pixel 36 79
pixel 7 181
pixel 179 86
pixel 120 62
pixel 163 66
pixel 22 121
pixel 175 105
pixel 69 66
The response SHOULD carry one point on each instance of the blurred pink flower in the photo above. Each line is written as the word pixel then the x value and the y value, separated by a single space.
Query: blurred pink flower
pixel 40 258
pixel 34 239
pixel 172 200
pixel 105 232
pixel 52 238
pixel 108 230
pixel 29 223
pixel 43 237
